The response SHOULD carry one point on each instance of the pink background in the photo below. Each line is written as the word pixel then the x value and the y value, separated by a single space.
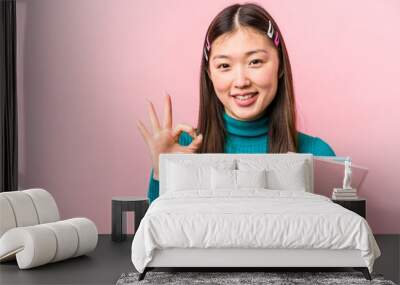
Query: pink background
pixel 85 69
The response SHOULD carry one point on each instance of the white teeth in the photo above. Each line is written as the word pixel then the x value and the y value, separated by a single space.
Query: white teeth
pixel 245 97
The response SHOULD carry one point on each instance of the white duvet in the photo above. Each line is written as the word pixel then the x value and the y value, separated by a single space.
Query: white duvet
pixel 250 218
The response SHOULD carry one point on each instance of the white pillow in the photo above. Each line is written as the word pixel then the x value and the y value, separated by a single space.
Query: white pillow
pixel 289 178
pixel 251 178
pixel 237 179
pixel 282 174
pixel 186 175
pixel 223 179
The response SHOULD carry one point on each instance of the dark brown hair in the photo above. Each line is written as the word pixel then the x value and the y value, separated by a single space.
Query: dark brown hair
pixel 281 111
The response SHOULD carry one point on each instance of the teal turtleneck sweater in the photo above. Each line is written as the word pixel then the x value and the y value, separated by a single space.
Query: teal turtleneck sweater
pixel 249 137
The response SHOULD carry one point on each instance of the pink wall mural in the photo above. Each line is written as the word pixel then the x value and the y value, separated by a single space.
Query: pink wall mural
pixel 86 68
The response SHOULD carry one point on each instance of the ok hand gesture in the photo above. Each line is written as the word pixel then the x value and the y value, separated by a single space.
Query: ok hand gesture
pixel 164 139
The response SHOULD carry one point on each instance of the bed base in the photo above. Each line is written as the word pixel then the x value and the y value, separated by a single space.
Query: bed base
pixel 242 259
pixel 142 275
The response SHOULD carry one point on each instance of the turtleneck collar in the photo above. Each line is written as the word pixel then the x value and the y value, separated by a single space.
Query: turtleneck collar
pixel 251 128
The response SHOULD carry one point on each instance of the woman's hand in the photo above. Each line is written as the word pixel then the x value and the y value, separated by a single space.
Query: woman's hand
pixel 164 139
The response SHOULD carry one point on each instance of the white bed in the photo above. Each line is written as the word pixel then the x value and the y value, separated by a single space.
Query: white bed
pixel 193 225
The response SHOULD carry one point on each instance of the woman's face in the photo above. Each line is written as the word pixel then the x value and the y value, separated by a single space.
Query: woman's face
pixel 244 62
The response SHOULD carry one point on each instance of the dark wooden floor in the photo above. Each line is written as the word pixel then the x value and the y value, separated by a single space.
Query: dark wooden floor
pixel 110 259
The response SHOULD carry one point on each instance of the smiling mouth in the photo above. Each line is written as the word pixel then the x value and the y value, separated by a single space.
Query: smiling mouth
pixel 245 100
pixel 245 97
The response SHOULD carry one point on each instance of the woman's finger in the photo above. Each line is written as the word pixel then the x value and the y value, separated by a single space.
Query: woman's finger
pixel 183 127
pixel 167 111
pixel 196 143
pixel 155 123
pixel 143 131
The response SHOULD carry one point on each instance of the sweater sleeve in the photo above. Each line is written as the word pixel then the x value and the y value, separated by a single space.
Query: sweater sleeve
pixel 154 188
pixel 154 185
pixel 321 148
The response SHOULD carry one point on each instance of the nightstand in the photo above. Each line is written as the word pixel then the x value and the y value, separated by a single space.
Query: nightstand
pixel 358 206
pixel 121 205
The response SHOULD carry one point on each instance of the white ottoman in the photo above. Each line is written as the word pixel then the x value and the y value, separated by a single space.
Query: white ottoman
pixel 31 232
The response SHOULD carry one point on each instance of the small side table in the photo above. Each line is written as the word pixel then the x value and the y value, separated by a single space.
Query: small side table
pixel 358 206
pixel 121 205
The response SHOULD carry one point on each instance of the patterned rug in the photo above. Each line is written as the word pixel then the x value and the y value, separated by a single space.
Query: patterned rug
pixel 270 278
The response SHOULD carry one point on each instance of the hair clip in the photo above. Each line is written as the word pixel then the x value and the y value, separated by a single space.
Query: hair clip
pixel 207 48
pixel 276 40
pixel 205 54
pixel 270 34
pixel 208 44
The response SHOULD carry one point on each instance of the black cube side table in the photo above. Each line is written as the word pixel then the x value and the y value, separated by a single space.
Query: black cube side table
pixel 357 205
pixel 121 205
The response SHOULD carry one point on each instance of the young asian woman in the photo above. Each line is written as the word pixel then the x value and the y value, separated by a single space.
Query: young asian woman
pixel 247 102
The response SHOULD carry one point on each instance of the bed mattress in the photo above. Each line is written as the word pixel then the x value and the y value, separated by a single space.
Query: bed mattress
pixel 250 219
